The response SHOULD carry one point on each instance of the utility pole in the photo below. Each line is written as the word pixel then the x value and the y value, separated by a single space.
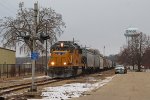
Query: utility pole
pixel 33 87
pixel 104 52
pixel 46 51
pixel 73 40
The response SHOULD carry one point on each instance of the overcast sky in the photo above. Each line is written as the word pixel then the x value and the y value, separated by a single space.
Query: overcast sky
pixel 94 23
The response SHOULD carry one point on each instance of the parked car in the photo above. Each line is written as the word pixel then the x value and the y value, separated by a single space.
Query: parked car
pixel 120 69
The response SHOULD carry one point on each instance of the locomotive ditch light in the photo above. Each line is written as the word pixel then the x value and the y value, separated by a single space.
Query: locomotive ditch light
pixel 65 63
pixel 52 63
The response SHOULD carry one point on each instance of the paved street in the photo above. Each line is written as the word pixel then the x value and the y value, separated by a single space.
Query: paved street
pixel 130 86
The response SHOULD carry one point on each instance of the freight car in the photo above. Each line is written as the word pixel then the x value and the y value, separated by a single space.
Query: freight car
pixel 69 59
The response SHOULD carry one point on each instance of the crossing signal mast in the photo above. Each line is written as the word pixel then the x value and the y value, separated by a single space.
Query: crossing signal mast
pixel 43 37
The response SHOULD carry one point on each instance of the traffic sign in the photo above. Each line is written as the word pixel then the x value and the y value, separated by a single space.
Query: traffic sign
pixel 34 55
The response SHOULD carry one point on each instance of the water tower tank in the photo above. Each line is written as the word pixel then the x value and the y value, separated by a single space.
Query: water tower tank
pixel 132 32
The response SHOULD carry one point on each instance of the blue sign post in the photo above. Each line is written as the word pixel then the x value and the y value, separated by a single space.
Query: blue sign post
pixel 34 55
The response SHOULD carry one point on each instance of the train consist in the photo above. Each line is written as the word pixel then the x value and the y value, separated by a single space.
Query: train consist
pixel 69 59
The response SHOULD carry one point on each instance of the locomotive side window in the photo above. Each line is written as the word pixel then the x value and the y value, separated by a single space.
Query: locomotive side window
pixel 61 49
pixel 80 51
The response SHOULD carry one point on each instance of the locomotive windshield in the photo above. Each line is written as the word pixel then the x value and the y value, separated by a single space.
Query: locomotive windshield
pixel 65 46
pixel 59 53
pixel 61 49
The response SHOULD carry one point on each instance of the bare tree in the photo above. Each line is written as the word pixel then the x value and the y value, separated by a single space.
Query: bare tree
pixel 146 60
pixel 134 52
pixel 123 57
pixel 143 44
pixel 21 28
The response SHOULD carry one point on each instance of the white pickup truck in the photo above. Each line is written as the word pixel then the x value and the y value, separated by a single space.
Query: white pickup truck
pixel 120 69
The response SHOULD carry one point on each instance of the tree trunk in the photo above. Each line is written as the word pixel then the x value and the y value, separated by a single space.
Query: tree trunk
pixel 133 63
pixel 139 67
pixel 133 66
pixel 139 64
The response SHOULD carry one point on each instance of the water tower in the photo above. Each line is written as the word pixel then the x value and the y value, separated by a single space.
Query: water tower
pixel 131 33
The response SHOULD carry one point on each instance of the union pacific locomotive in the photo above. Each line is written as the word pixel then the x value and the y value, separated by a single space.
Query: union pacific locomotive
pixel 69 59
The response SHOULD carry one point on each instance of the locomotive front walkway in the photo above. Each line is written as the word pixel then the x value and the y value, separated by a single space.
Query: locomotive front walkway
pixel 130 86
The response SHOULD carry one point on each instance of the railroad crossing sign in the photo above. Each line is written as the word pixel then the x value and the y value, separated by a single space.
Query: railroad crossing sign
pixel 34 55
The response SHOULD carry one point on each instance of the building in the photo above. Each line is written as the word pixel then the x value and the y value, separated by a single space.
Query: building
pixel 7 56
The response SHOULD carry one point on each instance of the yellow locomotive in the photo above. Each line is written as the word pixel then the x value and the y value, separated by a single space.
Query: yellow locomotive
pixel 69 59
pixel 65 59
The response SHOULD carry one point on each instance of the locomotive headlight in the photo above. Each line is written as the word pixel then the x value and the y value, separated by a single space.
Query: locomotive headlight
pixel 61 44
pixel 65 63
pixel 52 63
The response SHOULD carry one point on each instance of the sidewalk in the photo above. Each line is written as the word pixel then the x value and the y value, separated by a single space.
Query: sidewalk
pixel 130 86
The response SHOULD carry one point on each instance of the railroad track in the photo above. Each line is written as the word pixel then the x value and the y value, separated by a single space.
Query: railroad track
pixel 12 88
pixel 9 89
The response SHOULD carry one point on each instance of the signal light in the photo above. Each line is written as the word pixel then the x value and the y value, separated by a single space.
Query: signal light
pixel 43 37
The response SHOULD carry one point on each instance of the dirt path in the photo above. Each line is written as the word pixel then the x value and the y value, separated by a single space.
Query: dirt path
pixel 131 86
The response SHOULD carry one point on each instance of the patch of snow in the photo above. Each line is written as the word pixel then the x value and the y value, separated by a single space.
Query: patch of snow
pixel 101 83
pixel 91 79
pixel 69 91
pixel 65 92
pixel 10 94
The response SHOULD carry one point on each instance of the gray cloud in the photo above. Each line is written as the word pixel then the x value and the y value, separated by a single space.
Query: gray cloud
pixel 95 23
